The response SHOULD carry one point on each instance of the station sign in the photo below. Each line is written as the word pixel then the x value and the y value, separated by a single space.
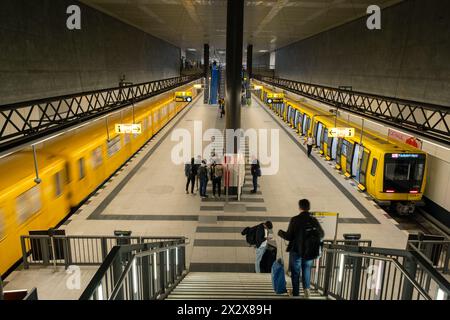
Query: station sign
pixel 183 96
pixel 341 132
pixel 128 128
pixel 275 98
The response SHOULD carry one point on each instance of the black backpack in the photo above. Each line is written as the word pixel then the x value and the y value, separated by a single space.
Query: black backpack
pixel 311 241
pixel 250 234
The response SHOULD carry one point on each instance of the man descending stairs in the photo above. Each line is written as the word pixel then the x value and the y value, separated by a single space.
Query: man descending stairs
pixel 234 286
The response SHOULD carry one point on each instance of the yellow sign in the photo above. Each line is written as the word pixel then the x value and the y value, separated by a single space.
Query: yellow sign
pixel 341 132
pixel 275 98
pixel 197 86
pixel 183 96
pixel 256 87
pixel 128 128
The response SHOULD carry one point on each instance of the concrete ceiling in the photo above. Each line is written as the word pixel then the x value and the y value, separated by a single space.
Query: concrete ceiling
pixel 268 24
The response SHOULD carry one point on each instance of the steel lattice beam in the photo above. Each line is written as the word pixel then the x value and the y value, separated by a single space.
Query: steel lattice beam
pixel 422 119
pixel 24 122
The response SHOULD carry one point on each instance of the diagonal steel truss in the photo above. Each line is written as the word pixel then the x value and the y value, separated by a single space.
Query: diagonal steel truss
pixel 422 119
pixel 24 122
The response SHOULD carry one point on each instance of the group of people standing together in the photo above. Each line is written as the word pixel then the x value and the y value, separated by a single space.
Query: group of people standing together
pixel 199 172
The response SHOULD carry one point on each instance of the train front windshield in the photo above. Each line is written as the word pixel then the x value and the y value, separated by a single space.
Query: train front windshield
pixel 403 172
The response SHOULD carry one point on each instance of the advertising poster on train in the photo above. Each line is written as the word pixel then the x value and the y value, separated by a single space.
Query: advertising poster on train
pixel 329 223
pixel 405 138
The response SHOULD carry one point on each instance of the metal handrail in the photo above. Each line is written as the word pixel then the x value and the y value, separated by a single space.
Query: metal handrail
pixel 121 254
pixel 145 253
pixel 384 258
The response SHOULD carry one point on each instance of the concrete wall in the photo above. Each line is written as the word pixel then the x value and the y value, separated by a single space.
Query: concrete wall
pixel 40 57
pixel 408 58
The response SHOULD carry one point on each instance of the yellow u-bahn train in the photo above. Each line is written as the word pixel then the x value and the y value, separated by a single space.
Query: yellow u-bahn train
pixel 71 167
pixel 391 172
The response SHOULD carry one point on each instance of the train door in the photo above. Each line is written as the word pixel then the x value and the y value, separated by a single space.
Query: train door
pixel 288 118
pixel 346 160
pixel 296 118
pixel 306 124
pixel 330 141
pixel 363 167
pixel 356 160
pixel 338 151
pixel 334 148
pixel 318 133
pixel 293 113
pixel 324 143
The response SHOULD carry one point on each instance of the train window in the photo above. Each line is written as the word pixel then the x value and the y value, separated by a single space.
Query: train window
pixel 67 173
pixel 374 167
pixel 58 184
pixel 28 204
pixel 81 168
pixel 2 224
pixel 113 146
pixel 404 172
pixel 97 157
pixel 145 124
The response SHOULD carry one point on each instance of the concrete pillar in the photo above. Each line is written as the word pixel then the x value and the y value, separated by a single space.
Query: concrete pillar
pixel 206 72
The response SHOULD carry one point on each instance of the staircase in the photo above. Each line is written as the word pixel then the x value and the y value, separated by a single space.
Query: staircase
pixel 232 286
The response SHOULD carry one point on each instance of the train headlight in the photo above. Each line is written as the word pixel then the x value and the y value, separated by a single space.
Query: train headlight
pixel 269 100
pixel 188 99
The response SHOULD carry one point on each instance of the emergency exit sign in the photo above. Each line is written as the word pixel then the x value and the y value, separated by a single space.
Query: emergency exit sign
pixel 341 132
pixel 128 128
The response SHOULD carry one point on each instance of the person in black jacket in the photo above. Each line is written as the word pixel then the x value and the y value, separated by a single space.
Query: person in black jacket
pixel 255 170
pixel 262 235
pixel 304 235
pixel 190 171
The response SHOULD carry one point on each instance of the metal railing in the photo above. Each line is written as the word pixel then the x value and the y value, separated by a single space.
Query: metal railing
pixel 139 272
pixel 436 252
pixel 60 250
pixel 24 122
pixel 424 119
pixel 367 273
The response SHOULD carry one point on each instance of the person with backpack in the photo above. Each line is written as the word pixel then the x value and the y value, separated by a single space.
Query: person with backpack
pixel 258 236
pixel 203 176
pixel 255 170
pixel 190 171
pixel 216 177
pixel 305 240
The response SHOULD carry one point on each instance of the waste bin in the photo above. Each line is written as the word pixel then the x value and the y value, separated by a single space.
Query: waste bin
pixel 123 237
pixel 350 239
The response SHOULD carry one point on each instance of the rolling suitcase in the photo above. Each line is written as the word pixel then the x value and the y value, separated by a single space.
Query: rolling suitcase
pixel 268 259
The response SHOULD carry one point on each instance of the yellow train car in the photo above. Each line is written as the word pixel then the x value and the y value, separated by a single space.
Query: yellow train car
pixel 71 167
pixel 26 205
pixel 393 173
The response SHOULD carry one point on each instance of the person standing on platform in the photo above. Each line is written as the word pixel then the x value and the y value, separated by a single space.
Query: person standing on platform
pixel 190 171
pixel 198 162
pixel 305 240
pixel 255 170
pixel 217 173
pixel 203 176
pixel 309 143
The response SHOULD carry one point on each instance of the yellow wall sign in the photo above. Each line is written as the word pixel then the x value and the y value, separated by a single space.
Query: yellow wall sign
pixel 183 96
pixel 128 128
pixel 275 98
pixel 341 132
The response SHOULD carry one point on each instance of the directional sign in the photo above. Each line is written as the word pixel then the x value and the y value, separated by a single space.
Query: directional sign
pixel 128 128
pixel 341 132
pixel 275 98
pixel 183 96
